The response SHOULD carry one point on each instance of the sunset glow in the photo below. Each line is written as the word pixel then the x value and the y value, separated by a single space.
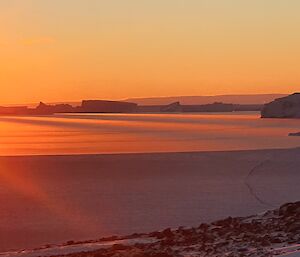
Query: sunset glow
pixel 134 128
pixel 29 187
pixel 55 50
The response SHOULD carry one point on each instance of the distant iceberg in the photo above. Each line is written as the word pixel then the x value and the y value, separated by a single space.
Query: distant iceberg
pixel 285 107
pixel 295 134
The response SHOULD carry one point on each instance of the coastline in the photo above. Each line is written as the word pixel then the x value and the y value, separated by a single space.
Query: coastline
pixel 271 233
pixel 154 153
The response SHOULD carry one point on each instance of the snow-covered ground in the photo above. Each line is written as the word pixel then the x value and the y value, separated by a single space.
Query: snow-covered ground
pixel 272 233
pixel 76 248
pixel 289 251
pixel 295 254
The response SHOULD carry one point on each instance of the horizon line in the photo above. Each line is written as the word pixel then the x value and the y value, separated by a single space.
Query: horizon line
pixel 141 97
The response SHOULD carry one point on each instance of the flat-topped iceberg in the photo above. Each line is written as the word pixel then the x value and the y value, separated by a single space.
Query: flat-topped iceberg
pixel 294 134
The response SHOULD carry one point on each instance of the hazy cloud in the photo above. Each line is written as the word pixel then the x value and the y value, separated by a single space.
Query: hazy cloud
pixel 38 41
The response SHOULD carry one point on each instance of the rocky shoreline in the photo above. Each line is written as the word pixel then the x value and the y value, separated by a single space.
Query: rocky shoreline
pixel 273 233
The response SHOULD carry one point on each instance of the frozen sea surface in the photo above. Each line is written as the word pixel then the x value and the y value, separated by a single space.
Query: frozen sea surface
pixel 128 133
pixel 53 199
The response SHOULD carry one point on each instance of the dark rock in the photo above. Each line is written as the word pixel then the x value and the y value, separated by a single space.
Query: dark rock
pixel 276 240
pixel 167 233
pixel 294 227
pixel 290 209
pixel 243 249
pixel 120 247
pixel 203 226
pixel 162 254
pixel 156 234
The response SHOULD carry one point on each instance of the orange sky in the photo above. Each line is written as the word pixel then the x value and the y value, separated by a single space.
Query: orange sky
pixel 55 50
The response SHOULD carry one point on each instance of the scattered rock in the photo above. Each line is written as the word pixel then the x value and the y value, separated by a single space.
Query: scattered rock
pixel 253 236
